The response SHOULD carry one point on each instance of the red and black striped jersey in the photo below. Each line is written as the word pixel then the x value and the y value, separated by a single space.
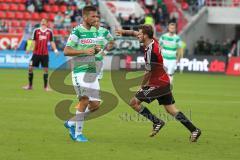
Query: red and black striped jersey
pixel 42 37
pixel 154 64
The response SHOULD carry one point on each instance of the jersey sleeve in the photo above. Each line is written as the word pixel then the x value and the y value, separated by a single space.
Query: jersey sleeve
pixel 73 39
pixel 51 36
pixel 161 40
pixel 179 43
pixel 109 36
pixel 34 34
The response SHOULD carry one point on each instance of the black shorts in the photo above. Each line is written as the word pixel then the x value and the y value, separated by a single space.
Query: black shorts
pixel 39 59
pixel 162 94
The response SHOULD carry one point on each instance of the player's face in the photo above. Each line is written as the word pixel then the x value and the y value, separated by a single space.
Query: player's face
pixel 140 36
pixel 91 18
pixel 44 23
pixel 97 23
pixel 172 28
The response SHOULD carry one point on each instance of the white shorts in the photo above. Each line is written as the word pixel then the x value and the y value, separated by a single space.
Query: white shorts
pixel 170 66
pixel 86 84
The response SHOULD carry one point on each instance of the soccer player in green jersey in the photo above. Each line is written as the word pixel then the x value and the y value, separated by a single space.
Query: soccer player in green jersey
pixel 171 49
pixel 106 42
pixel 82 44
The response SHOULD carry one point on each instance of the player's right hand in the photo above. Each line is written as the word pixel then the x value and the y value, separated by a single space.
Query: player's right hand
pixel 89 51
pixel 118 32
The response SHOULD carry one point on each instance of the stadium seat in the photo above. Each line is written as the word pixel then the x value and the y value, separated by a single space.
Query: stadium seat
pixel 51 1
pixel 10 15
pixel 51 16
pixel 55 8
pixel 20 30
pixel 63 8
pixel 15 23
pixel 23 23
pixel 9 1
pixel 2 14
pixel 55 32
pixel 47 8
pixel 21 7
pixel 63 32
pixel 26 15
pixel 19 15
pixel 35 16
pixel 43 15
pixel 4 6
pixel 13 7
pixel 11 30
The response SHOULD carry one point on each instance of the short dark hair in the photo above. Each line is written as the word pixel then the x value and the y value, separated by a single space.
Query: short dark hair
pixel 88 9
pixel 147 29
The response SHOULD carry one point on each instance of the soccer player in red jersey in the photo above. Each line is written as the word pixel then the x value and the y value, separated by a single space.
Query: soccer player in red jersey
pixel 156 84
pixel 41 36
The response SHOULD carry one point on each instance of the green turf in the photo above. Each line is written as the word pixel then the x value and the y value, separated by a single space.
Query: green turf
pixel 30 129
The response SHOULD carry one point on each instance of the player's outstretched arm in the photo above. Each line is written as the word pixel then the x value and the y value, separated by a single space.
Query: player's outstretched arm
pixel 69 51
pixel 122 32
pixel 53 44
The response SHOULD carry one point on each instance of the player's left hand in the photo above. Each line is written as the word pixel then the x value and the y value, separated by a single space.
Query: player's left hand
pixel 98 48
pixel 56 52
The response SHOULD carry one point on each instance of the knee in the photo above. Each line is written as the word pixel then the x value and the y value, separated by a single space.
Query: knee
pixel 94 106
pixel 134 104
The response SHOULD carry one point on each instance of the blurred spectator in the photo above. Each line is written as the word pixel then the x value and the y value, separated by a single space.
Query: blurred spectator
pixel 207 47
pixel 38 5
pixel 3 26
pixel 58 20
pixel 199 48
pixel 174 16
pixel 149 19
pixel 67 22
pixel 216 48
pixel 149 4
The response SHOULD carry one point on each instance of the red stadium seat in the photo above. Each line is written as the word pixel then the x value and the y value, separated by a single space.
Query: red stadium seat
pixel 55 32
pixel 20 30
pixel 63 8
pixel 2 14
pixel 55 8
pixel 47 8
pixel 9 1
pixel 35 16
pixel 11 30
pixel 13 7
pixel 63 32
pixel 26 15
pixel 21 7
pixel 19 15
pixel 15 23
pixel 51 1
pixel 4 6
pixel 10 15
pixel 43 15
pixel 23 23
pixel 51 16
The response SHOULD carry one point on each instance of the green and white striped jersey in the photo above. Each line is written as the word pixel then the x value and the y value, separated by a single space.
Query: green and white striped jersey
pixel 170 45
pixel 103 37
pixel 81 39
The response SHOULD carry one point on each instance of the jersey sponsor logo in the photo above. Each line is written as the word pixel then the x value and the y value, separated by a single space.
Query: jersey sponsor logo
pixel 42 37
pixel 88 41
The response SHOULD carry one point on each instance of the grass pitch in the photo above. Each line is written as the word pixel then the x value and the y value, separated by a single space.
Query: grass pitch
pixel 30 130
